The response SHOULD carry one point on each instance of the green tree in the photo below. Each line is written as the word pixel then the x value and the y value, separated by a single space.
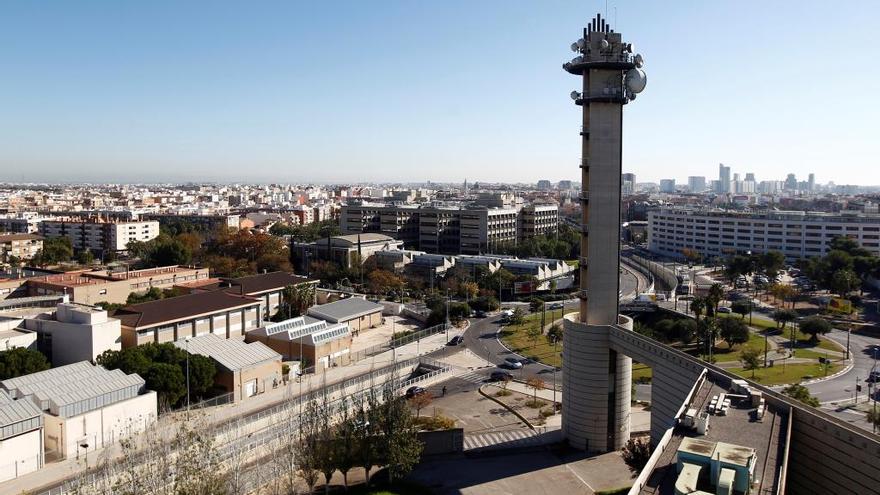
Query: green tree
pixel 843 282
pixel 716 294
pixel 20 361
pixel 54 251
pixel 85 257
pixel 518 317
pixel 815 326
pixel 782 317
pixel 801 393
pixel 751 359
pixel 771 263
pixel 399 435
pixel 733 331
pixel 169 383
pixel 698 306
pixel 636 454
pixel 741 307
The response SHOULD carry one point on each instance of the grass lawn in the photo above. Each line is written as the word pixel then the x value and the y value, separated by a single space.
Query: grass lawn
pixel 723 354
pixel 641 373
pixel 802 338
pixel 516 338
pixel 792 373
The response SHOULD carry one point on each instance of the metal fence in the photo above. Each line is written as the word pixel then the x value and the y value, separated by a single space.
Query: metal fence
pixel 377 349
pixel 244 444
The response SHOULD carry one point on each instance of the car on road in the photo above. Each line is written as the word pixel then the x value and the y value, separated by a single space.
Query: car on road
pixel 556 305
pixel 479 314
pixel 873 377
pixel 498 376
pixel 513 363
pixel 457 340
pixel 415 391
pixel 723 309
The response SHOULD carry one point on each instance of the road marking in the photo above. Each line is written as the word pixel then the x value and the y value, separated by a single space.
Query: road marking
pixel 579 477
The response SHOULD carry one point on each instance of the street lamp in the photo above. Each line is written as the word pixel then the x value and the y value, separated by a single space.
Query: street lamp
pixel 187 375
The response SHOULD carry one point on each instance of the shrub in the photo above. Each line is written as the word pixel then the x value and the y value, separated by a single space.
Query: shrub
pixel 535 403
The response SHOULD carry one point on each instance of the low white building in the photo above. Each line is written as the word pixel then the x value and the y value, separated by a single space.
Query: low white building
pixel 75 332
pixel 21 437
pixel 11 336
pixel 85 406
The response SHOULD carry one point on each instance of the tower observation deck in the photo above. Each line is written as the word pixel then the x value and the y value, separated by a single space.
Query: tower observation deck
pixel 596 380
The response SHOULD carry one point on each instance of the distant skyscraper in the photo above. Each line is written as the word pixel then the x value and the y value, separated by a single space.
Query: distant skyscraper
pixel 564 185
pixel 750 176
pixel 723 178
pixel 627 184
pixel 667 185
pixel 811 182
pixel 696 184
pixel 544 184
pixel 790 182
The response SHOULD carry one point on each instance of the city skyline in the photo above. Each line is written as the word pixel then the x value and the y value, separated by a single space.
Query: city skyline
pixel 432 92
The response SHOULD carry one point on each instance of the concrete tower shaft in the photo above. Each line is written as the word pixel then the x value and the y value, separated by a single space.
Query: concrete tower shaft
pixel 596 390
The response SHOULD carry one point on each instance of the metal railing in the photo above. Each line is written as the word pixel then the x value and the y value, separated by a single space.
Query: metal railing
pixel 246 443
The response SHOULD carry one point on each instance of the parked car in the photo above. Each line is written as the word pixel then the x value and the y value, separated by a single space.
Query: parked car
pixel 873 377
pixel 723 309
pixel 479 314
pixel 556 305
pixel 415 391
pixel 498 376
pixel 457 340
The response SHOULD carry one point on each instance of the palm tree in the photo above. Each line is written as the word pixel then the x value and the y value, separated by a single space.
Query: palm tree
pixel 697 306
pixel 716 294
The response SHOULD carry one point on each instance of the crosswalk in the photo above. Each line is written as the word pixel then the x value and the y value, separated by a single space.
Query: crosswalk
pixel 502 439
pixel 472 377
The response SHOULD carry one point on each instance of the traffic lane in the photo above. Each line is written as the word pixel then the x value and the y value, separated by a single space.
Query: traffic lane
pixel 482 339
pixel 841 388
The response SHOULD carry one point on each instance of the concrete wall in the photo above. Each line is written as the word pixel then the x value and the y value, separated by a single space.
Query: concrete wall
pixel 825 457
pixel 99 427
pixel 364 322
pixel 21 454
pixel 585 386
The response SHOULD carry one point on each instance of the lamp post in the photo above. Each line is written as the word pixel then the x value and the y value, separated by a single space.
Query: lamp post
pixel 447 315
pixel 187 375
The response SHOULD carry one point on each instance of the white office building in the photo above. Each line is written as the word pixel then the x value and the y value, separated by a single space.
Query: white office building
pixel 797 234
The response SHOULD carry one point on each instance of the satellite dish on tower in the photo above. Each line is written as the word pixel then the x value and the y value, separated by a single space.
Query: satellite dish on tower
pixel 574 47
pixel 581 43
pixel 603 44
pixel 639 60
pixel 575 95
pixel 635 80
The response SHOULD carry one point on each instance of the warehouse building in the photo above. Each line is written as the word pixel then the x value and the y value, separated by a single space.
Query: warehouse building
pixel 308 340
pixel 85 406
pixel 357 312
pixel 21 437
pixel 243 369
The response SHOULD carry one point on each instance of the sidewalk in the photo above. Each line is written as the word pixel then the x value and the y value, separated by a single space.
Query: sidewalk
pixel 55 472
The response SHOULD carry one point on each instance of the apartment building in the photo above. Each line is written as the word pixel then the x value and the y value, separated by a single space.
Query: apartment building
pixel 100 236
pixel 450 229
pixel 93 287
pixel 21 246
pixel 797 234
pixel 538 219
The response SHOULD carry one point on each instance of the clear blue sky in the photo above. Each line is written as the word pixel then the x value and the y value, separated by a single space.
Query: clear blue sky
pixel 443 90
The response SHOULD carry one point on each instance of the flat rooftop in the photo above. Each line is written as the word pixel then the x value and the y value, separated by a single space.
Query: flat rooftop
pixel 737 428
